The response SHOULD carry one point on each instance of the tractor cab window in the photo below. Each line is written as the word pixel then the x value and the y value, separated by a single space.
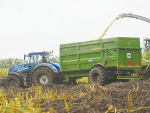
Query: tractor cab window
pixel 47 58
pixel 44 60
pixel 39 58
pixel 34 60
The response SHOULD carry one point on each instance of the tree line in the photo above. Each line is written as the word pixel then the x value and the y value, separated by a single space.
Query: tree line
pixel 9 62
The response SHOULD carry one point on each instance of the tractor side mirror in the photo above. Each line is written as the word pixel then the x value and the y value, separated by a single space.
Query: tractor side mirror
pixel 24 56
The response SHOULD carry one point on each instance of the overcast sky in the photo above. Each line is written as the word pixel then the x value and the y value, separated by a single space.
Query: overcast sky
pixel 37 25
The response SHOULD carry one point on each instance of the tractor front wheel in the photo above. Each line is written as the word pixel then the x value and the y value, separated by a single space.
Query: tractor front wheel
pixel 43 77
pixel 98 75
pixel 12 81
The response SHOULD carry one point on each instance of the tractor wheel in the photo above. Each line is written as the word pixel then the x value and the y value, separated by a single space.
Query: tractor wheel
pixel 12 81
pixel 43 77
pixel 98 75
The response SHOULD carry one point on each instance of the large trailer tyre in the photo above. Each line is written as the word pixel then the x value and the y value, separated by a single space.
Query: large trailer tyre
pixel 98 75
pixel 43 77
pixel 12 81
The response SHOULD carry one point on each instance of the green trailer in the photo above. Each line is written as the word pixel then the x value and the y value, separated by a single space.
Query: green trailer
pixel 102 59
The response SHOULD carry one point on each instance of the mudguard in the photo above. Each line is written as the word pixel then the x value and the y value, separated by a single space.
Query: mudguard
pixel 19 75
pixel 50 66
pixel 22 76
pixel 57 65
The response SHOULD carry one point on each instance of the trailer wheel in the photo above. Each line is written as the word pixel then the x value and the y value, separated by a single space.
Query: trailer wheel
pixel 43 77
pixel 98 75
pixel 12 81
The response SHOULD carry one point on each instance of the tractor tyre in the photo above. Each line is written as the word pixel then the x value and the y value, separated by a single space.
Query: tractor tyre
pixel 98 75
pixel 12 81
pixel 43 77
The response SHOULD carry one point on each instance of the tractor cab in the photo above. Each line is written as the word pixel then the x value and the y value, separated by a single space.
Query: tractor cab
pixel 37 58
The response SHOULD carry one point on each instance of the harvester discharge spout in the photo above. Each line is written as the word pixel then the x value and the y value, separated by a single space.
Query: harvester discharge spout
pixel 126 15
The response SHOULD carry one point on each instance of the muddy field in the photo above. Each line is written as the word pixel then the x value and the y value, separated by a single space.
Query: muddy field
pixel 132 96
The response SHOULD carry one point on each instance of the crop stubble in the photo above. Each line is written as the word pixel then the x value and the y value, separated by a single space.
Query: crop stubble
pixel 133 96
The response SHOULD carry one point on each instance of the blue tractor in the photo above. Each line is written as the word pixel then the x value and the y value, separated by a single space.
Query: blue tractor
pixel 38 71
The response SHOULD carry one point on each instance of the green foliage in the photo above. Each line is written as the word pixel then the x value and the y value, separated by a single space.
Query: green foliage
pixel 145 57
pixel 7 63
pixel 55 59
pixel 3 71
pixel 145 53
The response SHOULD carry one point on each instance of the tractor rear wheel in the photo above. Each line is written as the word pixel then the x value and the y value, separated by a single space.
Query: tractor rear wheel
pixel 43 77
pixel 98 75
pixel 12 81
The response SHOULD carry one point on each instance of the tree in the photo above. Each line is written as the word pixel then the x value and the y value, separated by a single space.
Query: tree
pixel 55 59
pixel 7 63
pixel 146 50
pixel 3 63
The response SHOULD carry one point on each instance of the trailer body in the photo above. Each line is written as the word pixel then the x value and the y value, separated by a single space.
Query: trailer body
pixel 115 54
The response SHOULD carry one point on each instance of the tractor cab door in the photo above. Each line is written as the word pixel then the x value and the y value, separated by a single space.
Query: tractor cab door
pixel 35 59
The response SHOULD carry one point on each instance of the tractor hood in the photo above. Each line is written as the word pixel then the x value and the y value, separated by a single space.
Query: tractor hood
pixel 19 68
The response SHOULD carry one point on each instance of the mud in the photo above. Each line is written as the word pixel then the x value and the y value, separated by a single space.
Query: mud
pixel 85 98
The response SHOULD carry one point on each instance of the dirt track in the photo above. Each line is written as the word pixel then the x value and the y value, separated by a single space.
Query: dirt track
pixel 95 99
